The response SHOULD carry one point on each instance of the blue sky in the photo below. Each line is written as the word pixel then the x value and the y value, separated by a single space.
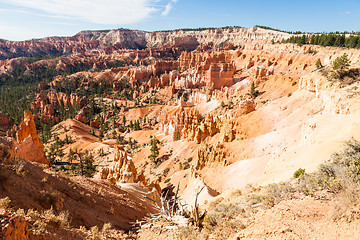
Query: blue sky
pixel 26 19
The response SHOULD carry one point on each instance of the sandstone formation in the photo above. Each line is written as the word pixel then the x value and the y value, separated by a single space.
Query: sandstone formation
pixel 208 155
pixel 28 144
pixel 124 171
pixel 95 123
pixel 4 121
pixel 189 124
pixel 115 40
pixel 13 226
pixel 45 105
pixel 231 107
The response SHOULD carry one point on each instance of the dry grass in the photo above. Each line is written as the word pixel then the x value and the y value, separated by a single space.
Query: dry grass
pixel 189 232
pixel 340 176
pixel 62 219
pixel 5 203
pixel 107 227
pixel 95 234
pixel 20 168
pixel 272 194
pixel 33 214
pixel 223 220
pixel 39 227
pixel 20 211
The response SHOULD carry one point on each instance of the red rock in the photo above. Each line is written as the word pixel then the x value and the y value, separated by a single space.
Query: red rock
pixel 28 144
pixel 95 123
pixel 43 86
pixel 45 105
pixel 13 226
pixel 4 121
pixel 123 171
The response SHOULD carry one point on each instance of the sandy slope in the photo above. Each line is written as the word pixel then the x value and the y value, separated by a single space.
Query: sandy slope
pixel 299 219
pixel 89 202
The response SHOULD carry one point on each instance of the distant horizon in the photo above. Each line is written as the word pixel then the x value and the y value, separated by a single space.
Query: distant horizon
pixel 179 29
pixel 25 20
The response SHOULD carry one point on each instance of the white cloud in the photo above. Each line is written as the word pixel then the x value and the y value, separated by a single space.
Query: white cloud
pixel 345 13
pixel 168 8
pixel 95 11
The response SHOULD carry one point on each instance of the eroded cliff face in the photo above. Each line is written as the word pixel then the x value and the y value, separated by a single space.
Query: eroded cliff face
pixel 123 171
pixel 45 105
pixel 189 125
pixel 230 108
pixel 28 143
pixel 112 41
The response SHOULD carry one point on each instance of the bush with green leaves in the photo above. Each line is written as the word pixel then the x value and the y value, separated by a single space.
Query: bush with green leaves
pixel 298 173
pixel 318 63
pixel 341 66
pixel 177 136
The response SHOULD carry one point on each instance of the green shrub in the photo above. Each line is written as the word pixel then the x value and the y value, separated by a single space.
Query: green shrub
pixel 253 92
pixel 341 66
pixel 166 171
pixel 177 136
pixel 298 173
pixel 318 63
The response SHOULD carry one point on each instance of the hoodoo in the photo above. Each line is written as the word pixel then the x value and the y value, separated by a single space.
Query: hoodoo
pixel 29 145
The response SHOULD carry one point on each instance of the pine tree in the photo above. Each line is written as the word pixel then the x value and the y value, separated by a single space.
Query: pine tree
pixel 253 92
pixel 154 150
pixel 341 66
pixel 72 155
pixel 124 120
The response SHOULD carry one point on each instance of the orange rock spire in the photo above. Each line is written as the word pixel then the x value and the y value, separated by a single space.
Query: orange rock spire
pixel 29 145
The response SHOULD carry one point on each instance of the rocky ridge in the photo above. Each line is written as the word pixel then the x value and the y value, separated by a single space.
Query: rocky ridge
pixel 114 40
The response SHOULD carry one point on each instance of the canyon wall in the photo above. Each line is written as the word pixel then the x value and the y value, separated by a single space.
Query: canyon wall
pixel 109 41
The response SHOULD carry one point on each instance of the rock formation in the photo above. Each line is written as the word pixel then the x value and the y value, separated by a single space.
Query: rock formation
pixel 190 125
pixel 210 154
pixel 7 149
pixel 28 144
pixel 116 40
pixel 4 121
pixel 13 226
pixel 46 104
pixel 123 171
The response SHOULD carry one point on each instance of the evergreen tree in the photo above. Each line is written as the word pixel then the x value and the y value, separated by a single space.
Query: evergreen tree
pixel 124 120
pixel 341 66
pixel 72 155
pixel 253 92
pixel 154 150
